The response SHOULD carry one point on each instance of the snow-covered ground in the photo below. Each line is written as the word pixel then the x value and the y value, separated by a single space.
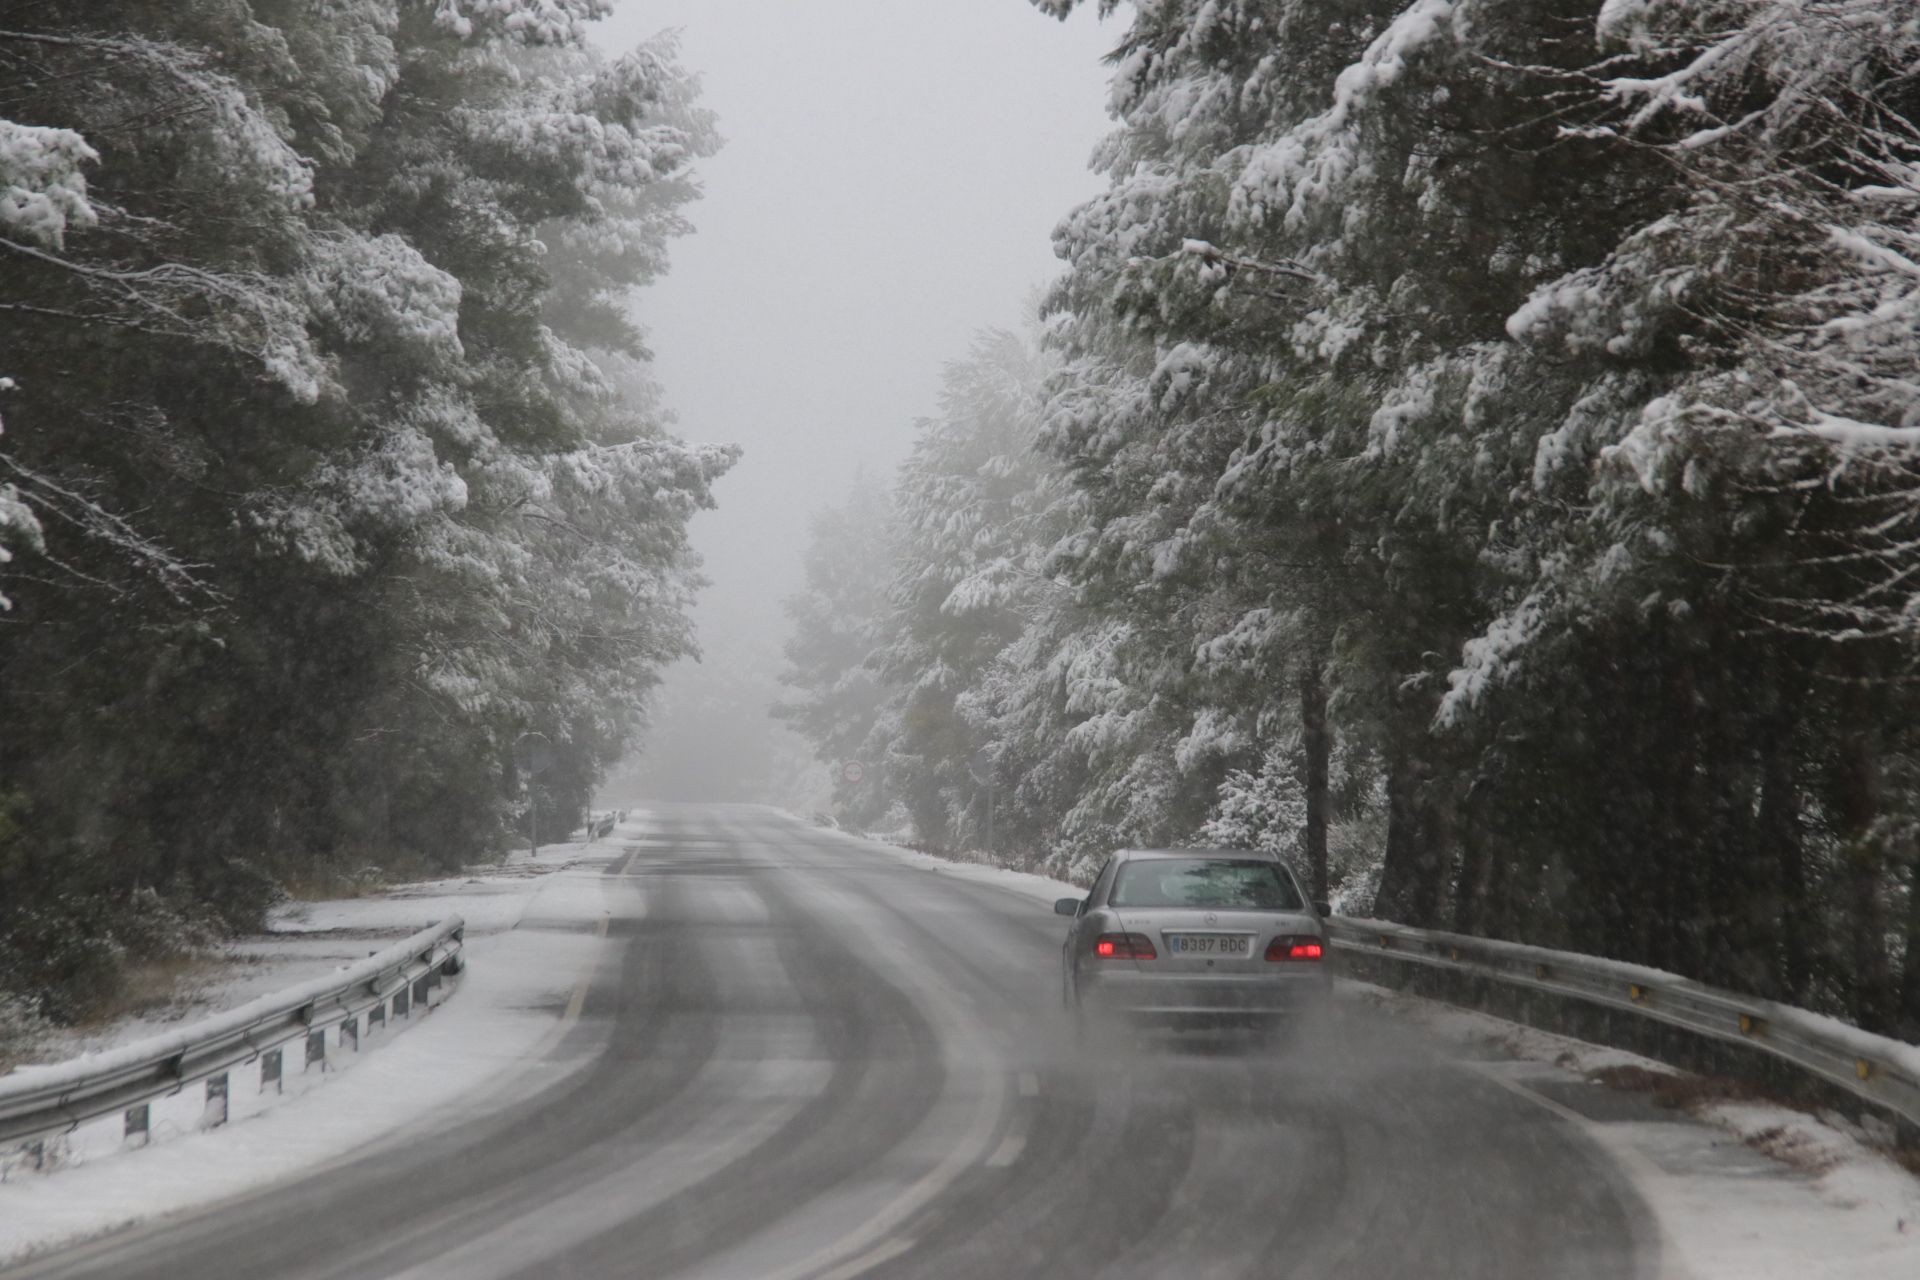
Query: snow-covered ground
pixel 489 1024
pixel 1753 1192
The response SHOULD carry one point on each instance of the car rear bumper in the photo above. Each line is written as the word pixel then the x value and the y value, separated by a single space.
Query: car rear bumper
pixel 1259 995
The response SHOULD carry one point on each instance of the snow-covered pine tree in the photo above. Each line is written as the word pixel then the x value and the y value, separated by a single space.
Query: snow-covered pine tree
pixel 1543 362
pixel 329 416
pixel 838 703
pixel 975 506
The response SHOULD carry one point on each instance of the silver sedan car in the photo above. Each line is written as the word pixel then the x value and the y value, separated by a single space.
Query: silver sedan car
pixel 1195 936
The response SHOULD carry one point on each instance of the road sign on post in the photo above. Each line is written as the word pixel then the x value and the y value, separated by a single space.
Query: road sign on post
pixel 533 756
pixel 853 772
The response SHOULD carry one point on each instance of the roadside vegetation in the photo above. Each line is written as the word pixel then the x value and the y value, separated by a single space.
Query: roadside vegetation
pixel 1473 449
pixel 331 461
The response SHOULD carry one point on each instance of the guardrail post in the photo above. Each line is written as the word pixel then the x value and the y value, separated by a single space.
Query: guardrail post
pixel 137 1128
pixel 215 1114
pixel 37 1152
pixel 420 989
pixel 350 1033
pixel 377 1016
pixel 317 1048
pixel 270 1070
pixel 402 1004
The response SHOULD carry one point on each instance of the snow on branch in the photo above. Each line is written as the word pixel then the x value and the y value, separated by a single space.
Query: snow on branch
pixel 29 493
pixel 252 315
pixel 382 289
pixel 240 141
pixel 521 21
pixel 1281 179
pixel 43 190
pixel 16 517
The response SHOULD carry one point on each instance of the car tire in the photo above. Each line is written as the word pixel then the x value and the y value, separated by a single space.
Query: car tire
pixel 1080 1024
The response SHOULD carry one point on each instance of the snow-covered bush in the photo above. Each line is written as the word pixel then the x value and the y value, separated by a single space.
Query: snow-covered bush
pixel 21 1027
pixel 1356 853
pixel 1264 809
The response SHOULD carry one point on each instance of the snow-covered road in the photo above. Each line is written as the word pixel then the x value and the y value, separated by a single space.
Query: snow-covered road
pixel 806 1055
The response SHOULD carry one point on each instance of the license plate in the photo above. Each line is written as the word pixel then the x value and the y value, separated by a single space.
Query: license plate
pixel 1209 944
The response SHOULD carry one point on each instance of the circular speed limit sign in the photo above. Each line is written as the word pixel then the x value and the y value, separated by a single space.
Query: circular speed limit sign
pixel 853 771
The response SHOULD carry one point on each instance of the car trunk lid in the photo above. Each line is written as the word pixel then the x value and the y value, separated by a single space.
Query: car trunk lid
pixel 1198 940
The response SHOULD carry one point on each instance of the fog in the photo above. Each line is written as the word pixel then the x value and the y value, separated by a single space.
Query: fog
pixel 891 177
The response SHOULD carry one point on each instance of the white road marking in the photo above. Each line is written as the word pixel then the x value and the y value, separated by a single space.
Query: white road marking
pixel 957 1029
pixel 744 1094
pixel 1008 1151
pixel 885 1252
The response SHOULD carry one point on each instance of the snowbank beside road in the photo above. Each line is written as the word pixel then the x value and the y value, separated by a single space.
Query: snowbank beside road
pixel 1755 1191
pixel 310 940
pixel 490 1037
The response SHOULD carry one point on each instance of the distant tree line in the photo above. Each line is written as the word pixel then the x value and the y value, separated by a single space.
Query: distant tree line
pixel 331 463
pixel 1474 449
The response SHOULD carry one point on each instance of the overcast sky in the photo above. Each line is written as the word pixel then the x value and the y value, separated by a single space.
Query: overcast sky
pixel 892 174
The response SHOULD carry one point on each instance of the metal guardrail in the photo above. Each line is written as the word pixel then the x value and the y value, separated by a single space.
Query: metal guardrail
pixel 39 1102
pixel 1880 1070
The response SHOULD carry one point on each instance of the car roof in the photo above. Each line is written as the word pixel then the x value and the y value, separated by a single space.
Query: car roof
pixel 1238 854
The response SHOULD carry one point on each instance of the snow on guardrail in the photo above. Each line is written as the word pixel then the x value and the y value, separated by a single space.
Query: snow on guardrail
pixel 1877 1069
pixel 39 1101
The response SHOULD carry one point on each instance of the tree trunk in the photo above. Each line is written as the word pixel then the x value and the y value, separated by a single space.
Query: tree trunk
pixel 1909 1017
pixel 1873 998
pixel 1317 743
pixel 1738 889
pixel 1439 813
pixel 1856 805
pixel 1783 862
pixel 1470 905
pixel 1412 874
pixel 1681 754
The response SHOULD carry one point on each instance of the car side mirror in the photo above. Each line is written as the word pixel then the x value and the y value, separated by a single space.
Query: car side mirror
pixel 1322 908
pixel 1068 906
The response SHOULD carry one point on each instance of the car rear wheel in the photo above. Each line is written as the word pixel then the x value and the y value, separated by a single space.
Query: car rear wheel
pixel 1077 1017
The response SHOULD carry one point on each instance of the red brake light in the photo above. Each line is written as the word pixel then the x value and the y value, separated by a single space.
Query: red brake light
pixel 1125 946
pixel 1296 948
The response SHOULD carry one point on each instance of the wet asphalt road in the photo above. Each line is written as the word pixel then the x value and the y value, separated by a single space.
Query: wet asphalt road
pixel 808 1059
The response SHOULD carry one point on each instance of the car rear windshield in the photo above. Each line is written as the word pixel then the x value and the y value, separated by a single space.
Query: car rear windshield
pixel 1246 884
